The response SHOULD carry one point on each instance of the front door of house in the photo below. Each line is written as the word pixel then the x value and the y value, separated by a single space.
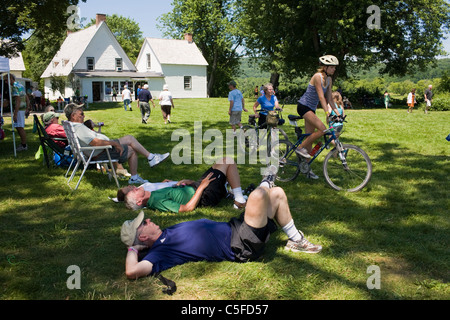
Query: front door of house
pixel 96 91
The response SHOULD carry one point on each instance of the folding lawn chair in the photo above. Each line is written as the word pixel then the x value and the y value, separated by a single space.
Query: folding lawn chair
pixel 48 142
pixel 84 155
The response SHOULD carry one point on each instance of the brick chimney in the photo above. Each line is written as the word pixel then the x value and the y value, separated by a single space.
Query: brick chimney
pixel 99 18
pixel 188 37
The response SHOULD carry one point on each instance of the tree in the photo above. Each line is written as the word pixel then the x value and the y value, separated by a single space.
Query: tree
pixel 19 17
pixel 215 25
pixel 127 33
pixel 290 35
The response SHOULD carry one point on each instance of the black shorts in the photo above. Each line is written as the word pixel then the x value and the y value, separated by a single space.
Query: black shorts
pixel 215 191
pixel 302 110
pixel 115 155
pixel 248 243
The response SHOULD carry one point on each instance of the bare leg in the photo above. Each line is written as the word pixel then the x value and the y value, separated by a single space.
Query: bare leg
pixel 312 122
pixel 133 143
pixel 229 168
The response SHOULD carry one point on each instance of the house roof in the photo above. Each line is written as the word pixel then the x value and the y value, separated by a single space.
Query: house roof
pixel 116 74
pixel 16 63
pixel 170 51
pixel 72 50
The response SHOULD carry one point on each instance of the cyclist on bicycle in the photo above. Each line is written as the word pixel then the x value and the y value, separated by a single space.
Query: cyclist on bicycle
pixel 268 102
pixel 319 91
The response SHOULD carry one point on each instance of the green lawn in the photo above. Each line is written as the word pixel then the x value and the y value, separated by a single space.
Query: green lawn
pixel 399 222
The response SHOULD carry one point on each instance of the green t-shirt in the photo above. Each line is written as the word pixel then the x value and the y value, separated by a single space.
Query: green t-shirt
pixel 170 199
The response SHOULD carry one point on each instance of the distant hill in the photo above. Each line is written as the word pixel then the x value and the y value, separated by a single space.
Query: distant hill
pixel 251 70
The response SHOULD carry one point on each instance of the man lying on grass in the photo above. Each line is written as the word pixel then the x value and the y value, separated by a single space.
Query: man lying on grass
pixel 186 195
pixel 241 239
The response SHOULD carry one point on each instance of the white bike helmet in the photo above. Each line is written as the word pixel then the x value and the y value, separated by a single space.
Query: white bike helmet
pixel 329 60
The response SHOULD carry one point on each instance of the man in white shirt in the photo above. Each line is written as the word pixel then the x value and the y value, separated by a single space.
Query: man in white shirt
pixel 126 98
pixel 124 149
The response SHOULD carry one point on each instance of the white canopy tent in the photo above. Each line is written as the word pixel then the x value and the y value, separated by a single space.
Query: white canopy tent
pixel 4 69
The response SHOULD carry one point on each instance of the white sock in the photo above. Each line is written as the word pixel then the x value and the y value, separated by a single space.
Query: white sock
pixel 265 184
pixel 291 231
pixel 238 196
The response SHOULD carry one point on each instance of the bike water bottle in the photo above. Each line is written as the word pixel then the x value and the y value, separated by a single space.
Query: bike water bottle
pixel 316 148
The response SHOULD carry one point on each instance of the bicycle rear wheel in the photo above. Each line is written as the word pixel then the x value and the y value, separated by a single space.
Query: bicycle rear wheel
pixel 348 171
pixel 287 159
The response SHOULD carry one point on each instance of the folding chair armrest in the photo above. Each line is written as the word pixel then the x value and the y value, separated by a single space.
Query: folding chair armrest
pixel 95 148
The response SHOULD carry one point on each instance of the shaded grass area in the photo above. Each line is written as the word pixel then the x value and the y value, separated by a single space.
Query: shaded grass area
pixel 399 222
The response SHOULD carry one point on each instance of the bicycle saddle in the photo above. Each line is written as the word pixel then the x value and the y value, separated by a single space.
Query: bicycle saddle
pixel 294 117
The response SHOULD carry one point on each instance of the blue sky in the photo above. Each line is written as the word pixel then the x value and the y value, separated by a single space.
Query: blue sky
pixel 144 12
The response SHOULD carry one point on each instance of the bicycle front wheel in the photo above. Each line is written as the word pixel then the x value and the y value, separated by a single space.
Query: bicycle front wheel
pixel 248 139
pixel 349 170
pixel 288 168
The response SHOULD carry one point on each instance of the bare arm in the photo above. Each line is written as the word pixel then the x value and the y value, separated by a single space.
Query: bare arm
pixel 192 204
pixel 99 143
pixel 324 100
pixel 135 269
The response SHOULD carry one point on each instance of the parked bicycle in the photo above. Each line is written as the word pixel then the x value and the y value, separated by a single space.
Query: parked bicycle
pixel 346 167
pixel 252 135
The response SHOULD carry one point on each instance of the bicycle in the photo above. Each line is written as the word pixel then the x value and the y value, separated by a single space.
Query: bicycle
pixel 346 167
pixel 252 135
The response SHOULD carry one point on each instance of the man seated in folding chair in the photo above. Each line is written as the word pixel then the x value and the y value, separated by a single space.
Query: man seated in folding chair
pixel 124 149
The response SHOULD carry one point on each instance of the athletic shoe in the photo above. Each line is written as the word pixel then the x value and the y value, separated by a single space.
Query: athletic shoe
pixel 131 109
pixel 123 172
pixel 302 245
pixel 239 205
pixel 312 175
pixel 22 148
pixel 303 153
pixel 144 121
pixel 270 176
pixel 137 180
pixel 157 159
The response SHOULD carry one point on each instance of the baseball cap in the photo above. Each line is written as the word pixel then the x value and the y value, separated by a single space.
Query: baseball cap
pixel 129 229
pixel 49 116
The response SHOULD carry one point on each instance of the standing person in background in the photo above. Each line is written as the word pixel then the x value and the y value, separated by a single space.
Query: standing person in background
pixel 387 98
pixel 126 98
pixel 21 108
pixel 411 100
pixel 166 103
pixel 428 98
pixel 144 97
pixel 37 95
pixel 268 102
pixel 237 104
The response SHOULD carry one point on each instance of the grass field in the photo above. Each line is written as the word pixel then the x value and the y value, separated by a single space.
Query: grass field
pixel 399 222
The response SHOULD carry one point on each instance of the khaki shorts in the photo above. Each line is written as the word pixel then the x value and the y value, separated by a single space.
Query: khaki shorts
pixel 235 117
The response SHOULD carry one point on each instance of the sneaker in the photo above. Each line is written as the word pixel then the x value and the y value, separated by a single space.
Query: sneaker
pixel 123 172
pixel 302 245
pixel 157 159
pixel 270 176
pixel 303 153
pixel 239 205
pixel 144 121
pixel 131 109
pixel 137 180
pixel 22 148
pixel 312 175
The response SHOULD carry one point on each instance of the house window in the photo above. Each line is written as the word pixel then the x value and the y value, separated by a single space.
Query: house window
pixel 187 83
pixel 149 61
pixel 118 64
pixel 90 61
pixel 108 88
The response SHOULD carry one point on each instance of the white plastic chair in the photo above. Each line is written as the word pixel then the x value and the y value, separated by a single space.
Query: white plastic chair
pixel 84 155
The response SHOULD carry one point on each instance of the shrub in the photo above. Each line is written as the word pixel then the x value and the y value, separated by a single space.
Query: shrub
pixel 441 102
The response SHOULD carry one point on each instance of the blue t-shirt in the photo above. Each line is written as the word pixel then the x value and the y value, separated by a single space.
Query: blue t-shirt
pixel 267 105
pixel 236 96
pixel 189 242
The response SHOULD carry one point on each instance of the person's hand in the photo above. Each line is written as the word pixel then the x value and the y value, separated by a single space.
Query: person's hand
pixel 229 112
pixel 118 147
pixel 245 110
pixel 206 181
pixel 15 117
pixel 256 115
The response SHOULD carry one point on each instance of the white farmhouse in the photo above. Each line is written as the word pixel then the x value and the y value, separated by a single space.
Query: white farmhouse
pixel 98 67
pixel 179 61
